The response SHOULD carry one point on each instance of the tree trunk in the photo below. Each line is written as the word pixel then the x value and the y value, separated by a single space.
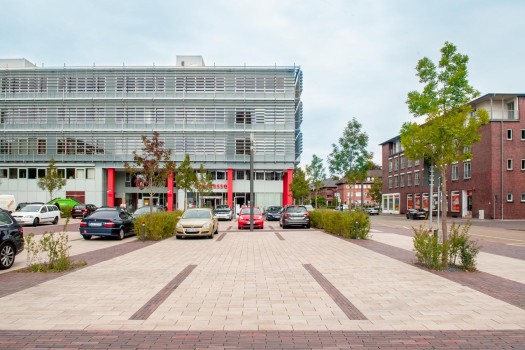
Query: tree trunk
pixel 444 205
pixel 315 199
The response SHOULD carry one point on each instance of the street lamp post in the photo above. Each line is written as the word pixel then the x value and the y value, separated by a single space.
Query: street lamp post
pixel 251 182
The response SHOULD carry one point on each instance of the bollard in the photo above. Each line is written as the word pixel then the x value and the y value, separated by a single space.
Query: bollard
pixel 356 230
pixel 143 231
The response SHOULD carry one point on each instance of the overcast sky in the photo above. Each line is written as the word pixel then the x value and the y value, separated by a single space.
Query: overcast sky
pixel 358 57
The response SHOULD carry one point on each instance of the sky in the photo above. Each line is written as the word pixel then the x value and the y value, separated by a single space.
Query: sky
pixel 358 57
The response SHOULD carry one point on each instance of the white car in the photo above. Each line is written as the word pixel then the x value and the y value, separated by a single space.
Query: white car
pixel 34 214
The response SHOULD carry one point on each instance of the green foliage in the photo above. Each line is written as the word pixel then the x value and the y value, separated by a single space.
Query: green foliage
pixel 153 163
pixel 350 159
pixel 427 248
pixel 204 182
pixel 49 254
pixel 159 225
pixel 460 245
pixel 53 181
pixel 185 177
pixel 341 223
pixel 299 186
pixel 316 174
pixel 318 201
pixel 376 190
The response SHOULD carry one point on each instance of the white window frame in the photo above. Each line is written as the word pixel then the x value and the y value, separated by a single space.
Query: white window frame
pixel 510 198
pixel 510 164
pixel 454 172
pixel 467 174
pixel 509 134
pixel 523 197
pixel 416 178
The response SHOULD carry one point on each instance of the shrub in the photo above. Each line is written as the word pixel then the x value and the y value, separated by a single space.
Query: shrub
pixel 341 223
pixel 159 225
pixel 427 248
pixel 50 253
pixel 460 245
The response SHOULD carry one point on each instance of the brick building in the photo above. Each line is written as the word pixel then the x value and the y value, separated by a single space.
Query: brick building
pixel 490 185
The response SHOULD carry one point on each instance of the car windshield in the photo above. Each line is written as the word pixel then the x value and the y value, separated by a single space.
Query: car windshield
pixel 196 214
pixel 296 210
pixel 274 209
pixel 222 209
pixel 143 210
pixel 246 211
pixel 103 214
pixel 31 208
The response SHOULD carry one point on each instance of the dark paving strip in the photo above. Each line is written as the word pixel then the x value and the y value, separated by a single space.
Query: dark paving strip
pixel 15 281
pixel 145 311
pixel 400 340
pixel 344 304
pixel 491 247
pixel 229 228
pixel 279 235
pixel 497 287
pixel 221 237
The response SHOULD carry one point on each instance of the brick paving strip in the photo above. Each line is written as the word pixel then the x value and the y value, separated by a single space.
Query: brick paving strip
pixel 77 339
pixel 221 237
pixel 344 304
pixel 279 236
pixel 497 287
pixel 15 281
pixel 145 311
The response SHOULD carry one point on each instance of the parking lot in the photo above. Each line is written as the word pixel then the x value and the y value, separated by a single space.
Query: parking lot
pixel 281 284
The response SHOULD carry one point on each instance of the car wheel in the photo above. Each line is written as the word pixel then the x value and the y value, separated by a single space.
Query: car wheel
pixel 307 226
pixel 121 234
pixel 7 256
pixel 86 237
pixel 178 237
pixel 55 221
pixel 35 222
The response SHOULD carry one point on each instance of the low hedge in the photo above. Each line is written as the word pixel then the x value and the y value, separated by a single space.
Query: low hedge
pixel 159 225
pixel 342 223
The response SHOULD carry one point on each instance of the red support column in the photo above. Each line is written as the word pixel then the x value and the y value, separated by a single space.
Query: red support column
pixel 170 191
pixel 287 181
pixel 111 187
pixel 230 188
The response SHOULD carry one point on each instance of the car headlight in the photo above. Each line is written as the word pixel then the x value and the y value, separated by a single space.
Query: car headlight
pixel 179 225
pixel 207 225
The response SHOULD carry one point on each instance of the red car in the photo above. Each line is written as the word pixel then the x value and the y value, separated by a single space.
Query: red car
pixel 244 218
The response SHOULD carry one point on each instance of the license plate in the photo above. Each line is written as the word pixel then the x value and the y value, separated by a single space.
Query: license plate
pixel 192 230
pixel 95 224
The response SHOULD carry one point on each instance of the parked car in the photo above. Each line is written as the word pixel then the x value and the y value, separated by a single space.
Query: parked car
pixel 34 214
pixel 107 222
pixel 309 207
pixel 146 210
pixel 244 218
pixel 64 204
pixel 372 211
pixel 273 213
pixel 11 239
pixel 82 210
pixel 295 215
pixel 23 204
pixel 223 212
pixel 416 214
pixel 8 202
pixel 197 222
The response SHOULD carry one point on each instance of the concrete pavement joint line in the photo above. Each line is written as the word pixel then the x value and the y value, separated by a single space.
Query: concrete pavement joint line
pixel 145 311
pixel 221 237
pixel 279 235
pixel 344 304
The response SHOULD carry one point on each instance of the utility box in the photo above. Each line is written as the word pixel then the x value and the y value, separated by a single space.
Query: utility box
pixel 481 214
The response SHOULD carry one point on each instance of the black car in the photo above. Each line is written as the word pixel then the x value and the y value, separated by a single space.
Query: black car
pixel 273 213
pixel 416 214
pixel 82 210
pixel 295 215
pixel 11 239
pixel 25 204
pixel 107 222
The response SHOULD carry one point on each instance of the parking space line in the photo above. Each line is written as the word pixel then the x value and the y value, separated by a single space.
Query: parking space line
pixel 279 235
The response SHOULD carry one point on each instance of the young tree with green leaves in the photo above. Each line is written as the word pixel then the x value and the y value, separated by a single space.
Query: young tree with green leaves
pixel 316 175
pixel 299 186
pixel 204 183
pixel 350 159
pixel 153 164
pixel 451 126
pixel 53 181
pixel 186 178
pixel 376 190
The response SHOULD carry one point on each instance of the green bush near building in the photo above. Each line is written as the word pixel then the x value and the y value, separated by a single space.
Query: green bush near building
pixel 342 223
pixel 158 226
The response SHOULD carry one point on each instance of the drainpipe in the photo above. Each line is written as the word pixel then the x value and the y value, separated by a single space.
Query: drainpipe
pixel 502 160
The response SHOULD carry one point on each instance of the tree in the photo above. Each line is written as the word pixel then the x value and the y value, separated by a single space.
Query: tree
pixel 299 185
pixel 153 165
pixel 350 159
pixel 451 126
pixel 53 181
pixel 316 174
pixel 204 184
pixel 185 178
pixel 376 190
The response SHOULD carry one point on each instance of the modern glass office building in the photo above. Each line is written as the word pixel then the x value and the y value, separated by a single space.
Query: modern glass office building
pixel 91 119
